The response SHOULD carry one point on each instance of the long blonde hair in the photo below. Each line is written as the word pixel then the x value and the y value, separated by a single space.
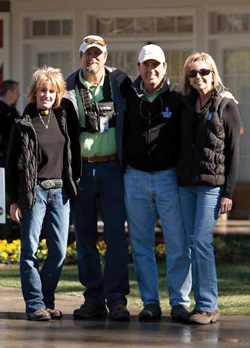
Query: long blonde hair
pixel 187 88
pixel 55 78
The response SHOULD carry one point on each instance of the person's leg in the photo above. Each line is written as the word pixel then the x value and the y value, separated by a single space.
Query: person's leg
pixel 56 226
pixel 31 225
pixel 205 278
pixel 109 182
pixel 141 216
pixel 200 206
pixel 177 250
pixel 84 216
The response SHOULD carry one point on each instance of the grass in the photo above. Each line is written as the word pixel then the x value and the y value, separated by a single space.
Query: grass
pixel 233 281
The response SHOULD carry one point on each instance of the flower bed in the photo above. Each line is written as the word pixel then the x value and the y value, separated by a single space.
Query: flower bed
pixel 10 252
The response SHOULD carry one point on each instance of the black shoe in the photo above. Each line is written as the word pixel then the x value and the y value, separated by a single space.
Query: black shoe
pixel 90 310
pixel 180 313
pixel 39 315
pixel 119 312
pixel 54 313
pixel 151 311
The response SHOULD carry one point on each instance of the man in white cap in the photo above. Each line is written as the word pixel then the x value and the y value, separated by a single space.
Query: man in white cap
pixel 94 92
pixel 151 145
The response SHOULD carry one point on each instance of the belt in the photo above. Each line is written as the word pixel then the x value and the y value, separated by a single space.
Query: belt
pixel 51 183
pixel 99 159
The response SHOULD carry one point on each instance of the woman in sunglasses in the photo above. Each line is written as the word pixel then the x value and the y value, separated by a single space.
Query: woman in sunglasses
pixel 210 131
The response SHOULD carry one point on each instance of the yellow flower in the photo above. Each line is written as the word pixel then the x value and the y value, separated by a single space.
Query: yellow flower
pixel 4 255
pixel 44 252
pixel 43 242
pixel 17 242
pixel 2 247
pixel 14 256
pixel 10 247
pixel 69 248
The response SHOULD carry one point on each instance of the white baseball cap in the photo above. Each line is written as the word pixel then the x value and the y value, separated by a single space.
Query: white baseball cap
pixel 151 52
pixel 92 41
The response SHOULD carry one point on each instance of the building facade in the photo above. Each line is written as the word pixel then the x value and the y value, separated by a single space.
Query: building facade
pixel 34 33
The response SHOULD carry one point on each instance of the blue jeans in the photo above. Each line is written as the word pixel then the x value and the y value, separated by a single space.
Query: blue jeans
pixel 51 211
pixel 147 194
pixel 101 190
pixel 200 207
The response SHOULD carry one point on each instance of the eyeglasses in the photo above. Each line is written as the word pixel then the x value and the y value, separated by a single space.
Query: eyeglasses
pixel 202 72
pixel 98 42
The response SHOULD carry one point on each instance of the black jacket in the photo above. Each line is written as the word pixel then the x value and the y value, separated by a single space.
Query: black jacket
pixel 7 116
pixel 152 130
pixel 210 144
pixel 21 184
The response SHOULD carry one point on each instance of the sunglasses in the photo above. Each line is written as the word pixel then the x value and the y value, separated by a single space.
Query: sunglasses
pixel 202 72
pixel 98 42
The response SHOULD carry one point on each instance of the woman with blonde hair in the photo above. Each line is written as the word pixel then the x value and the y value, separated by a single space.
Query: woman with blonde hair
pixel 210 132
pixel 39 192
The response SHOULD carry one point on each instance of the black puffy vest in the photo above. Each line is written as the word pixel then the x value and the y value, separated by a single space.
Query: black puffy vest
pixel 202 159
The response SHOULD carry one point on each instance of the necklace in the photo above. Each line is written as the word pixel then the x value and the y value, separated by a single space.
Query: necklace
pixel 45 113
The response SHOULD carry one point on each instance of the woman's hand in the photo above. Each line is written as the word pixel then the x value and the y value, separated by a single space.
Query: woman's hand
pixel 15 212
pixel 225 205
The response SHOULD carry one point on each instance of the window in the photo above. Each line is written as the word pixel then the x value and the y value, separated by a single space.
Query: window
pixel 229 23
pixel 61 60
pixel 127 62
pixel 144 25
pixel 47 28
pixel 237 77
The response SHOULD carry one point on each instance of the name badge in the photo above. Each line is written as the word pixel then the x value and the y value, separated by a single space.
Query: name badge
pixel 167 113
pixel 104 124
pixel 210 116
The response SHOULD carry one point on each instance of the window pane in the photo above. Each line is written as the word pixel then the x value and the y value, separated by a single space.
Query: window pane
pixel 43 59
pixel 39 28
pixel 125 61
pixel 60 60
pixel 165 25
pixel 175 60
pixel 236 77
pixel 105 26
pixel 54 27
pixel 185 24
pixel 67 27
pixel 145 25
pixel 125 25
pixel 233 23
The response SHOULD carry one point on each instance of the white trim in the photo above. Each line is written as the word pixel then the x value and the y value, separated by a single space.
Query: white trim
pixel 229 9
pixel 152 12
pixel 143 12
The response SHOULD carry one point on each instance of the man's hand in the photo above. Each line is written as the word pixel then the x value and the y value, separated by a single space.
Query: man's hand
pixel 227 94
pixel 15 212
pixel 225 205
pixel 20 162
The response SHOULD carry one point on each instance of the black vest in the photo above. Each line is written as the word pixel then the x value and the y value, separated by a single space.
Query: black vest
pixel 202 159
pixel 93 111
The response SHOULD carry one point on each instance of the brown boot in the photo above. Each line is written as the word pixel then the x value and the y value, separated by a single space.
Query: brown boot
pixel 202 318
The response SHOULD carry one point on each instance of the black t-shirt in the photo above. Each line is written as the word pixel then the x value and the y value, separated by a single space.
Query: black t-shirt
pixel 51 144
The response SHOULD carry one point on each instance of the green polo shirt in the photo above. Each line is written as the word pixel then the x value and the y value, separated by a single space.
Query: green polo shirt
pixel 148 97
pixel 94 144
